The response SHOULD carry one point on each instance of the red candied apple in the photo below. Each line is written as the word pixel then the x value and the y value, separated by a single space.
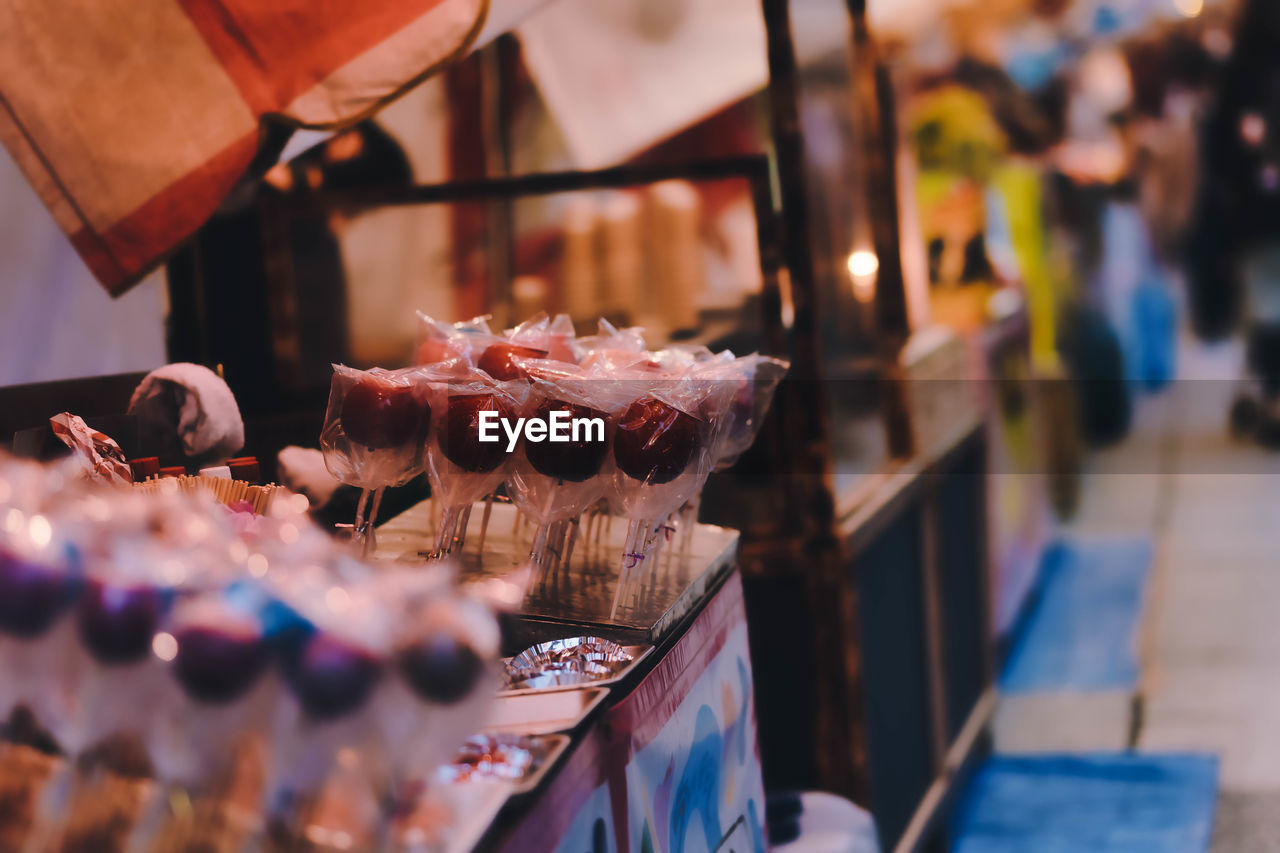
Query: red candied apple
pixel 117 622
pixel 497 360
pixel 655 441
pixel 460 433
pixel 433 351
pixel 377 413
pixel 574 461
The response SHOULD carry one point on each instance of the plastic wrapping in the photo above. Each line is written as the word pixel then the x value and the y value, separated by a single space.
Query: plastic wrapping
pixel 613 347
pixel 376 425
pixel 754 379
pixel 562 344
pixel 153 619
pixel 664 442
pixel 441 342
pixel 553 480
pixel 99 457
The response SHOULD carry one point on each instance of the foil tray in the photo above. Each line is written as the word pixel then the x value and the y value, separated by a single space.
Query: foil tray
pixel 543 752
pixel 571 681
pixel 454 818
pixel 542 712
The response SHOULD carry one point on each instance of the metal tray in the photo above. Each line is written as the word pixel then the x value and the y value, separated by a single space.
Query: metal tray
pixel 455 817
pixel 526 712
pixel 544 750
pixel 638 653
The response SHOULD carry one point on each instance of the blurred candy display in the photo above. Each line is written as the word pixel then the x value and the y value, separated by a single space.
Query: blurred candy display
pixel 181 674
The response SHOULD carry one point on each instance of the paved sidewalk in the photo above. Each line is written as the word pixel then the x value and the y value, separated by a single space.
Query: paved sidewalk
pixel 1210 635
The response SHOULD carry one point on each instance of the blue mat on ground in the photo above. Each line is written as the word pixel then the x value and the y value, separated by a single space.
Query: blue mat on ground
pixel 1090 803
pixel 1081 633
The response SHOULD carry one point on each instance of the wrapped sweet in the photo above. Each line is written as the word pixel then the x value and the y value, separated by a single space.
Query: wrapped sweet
pixel 559 471
pixel 755 378
pixel 662 448
pixel 233 665
pixel 462 465
pixel 502 358
pixel 375 428
pixel 442 342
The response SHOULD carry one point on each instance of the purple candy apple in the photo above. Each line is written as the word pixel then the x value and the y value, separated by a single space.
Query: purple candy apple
pixel 331 677
pixel 32 596
pixel 117 622
pixel 441 668
pixel 218 664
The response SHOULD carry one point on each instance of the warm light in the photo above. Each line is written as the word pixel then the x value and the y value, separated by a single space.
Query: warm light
pixel 1189 8
pixel 40 531
pixel 257 565
pixel 863 264
pixel 1253 129
pixel 289 533
pixel 164 646
pixel 13 521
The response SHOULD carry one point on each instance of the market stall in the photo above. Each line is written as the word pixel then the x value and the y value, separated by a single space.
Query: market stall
pixel 660 668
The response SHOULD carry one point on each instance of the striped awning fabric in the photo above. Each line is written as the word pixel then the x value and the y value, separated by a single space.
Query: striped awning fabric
pixel 133 120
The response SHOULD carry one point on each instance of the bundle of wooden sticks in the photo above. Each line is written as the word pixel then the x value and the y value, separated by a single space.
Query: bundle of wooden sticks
pixel 229 492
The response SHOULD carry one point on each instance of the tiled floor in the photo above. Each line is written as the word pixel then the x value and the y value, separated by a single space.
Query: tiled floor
pixel 1210 652
pixel 1212 668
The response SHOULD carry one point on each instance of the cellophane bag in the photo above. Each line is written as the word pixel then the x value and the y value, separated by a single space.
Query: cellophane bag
pixel 552 480
pixel 376 425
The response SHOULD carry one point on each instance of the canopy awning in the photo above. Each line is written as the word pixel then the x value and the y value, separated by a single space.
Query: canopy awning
pixel 133 120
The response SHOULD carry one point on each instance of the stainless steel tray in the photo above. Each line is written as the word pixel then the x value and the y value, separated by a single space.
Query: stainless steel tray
pixel 542 712
pixel 544 750
pixel 638 653
pixel 453 817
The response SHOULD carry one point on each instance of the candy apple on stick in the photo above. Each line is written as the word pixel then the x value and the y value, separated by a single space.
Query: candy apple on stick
pixel 554 481
pixel 463 468
pixel 375 428
pixel 662 455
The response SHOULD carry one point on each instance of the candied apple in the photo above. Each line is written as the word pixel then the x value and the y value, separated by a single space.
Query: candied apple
pixel 655 442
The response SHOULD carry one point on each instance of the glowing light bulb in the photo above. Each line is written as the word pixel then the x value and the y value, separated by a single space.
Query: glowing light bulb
pixel 863 264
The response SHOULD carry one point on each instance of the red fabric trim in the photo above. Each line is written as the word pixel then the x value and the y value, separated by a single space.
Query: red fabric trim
pixel 639 718
pixel 136 241
pixel 276 51
pixel 558 806
pixel 99 261
pixel 607 748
